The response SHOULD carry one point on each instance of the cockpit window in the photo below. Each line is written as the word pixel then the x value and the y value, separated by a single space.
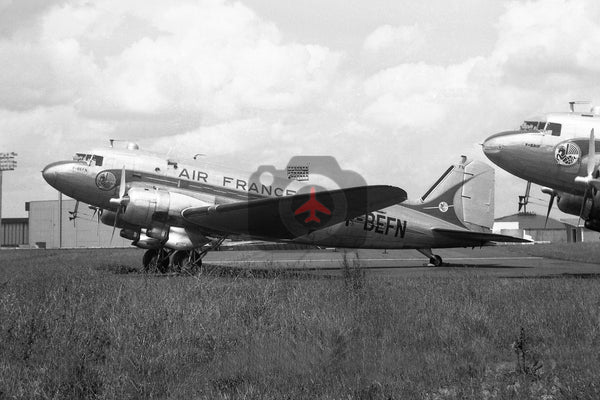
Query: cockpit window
pixel 89 159
pixel 536 126
pixel 97 161
pixel 533 125
pixel 554 128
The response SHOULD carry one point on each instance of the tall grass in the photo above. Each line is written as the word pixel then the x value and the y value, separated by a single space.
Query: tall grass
pixel 84 331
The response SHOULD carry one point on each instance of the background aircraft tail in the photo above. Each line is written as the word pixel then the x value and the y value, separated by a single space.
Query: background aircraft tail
pixel 463 195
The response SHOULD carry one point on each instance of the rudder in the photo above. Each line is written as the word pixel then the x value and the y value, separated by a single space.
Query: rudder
pixel 463 196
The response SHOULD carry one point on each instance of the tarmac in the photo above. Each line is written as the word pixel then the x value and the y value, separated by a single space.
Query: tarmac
pixel 499 261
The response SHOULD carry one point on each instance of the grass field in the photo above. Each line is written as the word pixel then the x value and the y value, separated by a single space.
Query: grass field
pixel 74 326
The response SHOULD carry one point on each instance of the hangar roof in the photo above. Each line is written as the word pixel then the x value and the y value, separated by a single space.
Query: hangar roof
pixel 532 221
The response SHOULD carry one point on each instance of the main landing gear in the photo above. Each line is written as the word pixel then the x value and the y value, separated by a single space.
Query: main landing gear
pixel 164 260
pixel 434 259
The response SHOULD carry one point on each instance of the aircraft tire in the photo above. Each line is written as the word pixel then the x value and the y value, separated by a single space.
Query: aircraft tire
pixel 436 261
pixel 180 261
pixel 155 260
pixel 163 261
pixel 149 260
pixel 195 264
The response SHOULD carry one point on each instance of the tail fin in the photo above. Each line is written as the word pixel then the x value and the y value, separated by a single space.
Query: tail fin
pixel 463 196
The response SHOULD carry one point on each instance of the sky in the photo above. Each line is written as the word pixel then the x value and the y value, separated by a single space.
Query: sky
pixel 394 90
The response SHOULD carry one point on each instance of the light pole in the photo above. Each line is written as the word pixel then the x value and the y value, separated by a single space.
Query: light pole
pixel 7 163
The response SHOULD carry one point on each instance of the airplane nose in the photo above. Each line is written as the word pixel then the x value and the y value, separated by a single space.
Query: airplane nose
pixel 494 144
pixel 49 173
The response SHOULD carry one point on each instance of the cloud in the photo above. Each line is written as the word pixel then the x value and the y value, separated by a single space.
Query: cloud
pixel 213 58
pixel 416 95
pixel 549 42
pixel 403 39
pixel 213 77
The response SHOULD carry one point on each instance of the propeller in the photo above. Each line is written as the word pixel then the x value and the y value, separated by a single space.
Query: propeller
pixel 120 202
pixel 553 194
pixel 97 211
pixel 74 213
pixel 591 184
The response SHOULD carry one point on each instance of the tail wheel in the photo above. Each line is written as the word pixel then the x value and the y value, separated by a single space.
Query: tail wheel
pixel 436 260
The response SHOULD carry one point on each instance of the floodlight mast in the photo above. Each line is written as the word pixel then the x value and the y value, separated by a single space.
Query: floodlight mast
pixel 7 163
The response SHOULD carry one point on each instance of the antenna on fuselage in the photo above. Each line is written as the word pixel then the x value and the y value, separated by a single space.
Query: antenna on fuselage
pixel 129 146
pixel 572 104
pixel 199 155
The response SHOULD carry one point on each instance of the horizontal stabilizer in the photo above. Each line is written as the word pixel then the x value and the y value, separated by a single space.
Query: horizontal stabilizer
pixel 480 237
pixel 289 217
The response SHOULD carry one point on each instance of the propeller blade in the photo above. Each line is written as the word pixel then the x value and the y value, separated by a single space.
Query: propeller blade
pixel 582 205
pixel 112 235
pixel 122 187
pixel 115 225
pixel 74 213
pixel 550 204
pixel 591 165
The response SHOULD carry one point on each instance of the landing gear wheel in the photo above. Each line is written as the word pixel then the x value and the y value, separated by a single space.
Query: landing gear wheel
pixel 155 260
pixel 149 260
pixel 436 261
pixel 194 262
pixel 180 260
pixel 186 262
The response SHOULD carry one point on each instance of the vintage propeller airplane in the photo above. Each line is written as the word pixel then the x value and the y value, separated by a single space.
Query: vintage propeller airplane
pixel 558 152
pixel 178 212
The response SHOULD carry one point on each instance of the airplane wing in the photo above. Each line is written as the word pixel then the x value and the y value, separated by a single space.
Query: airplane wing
pixel 478 236
pixel 321 208
pixel 274 218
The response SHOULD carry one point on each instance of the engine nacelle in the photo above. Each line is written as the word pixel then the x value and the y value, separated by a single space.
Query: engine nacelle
pixel 182 239
pixel 158 231
pixel 108 218
pixel 593 224
pixel 571 204
pixel 145 242
pixel 175 238
pixel 130 234
pixel 147 206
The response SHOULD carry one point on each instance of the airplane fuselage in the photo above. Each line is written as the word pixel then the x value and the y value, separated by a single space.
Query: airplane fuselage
pixel 95 180
pixel 557 151
pixel 535 157
pixel 550 150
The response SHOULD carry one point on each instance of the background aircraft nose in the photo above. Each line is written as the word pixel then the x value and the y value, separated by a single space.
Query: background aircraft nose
pixel 49 174
pixel 500 145
pixel 493 144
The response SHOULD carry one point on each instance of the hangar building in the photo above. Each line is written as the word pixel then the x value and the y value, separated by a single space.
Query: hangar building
pixel 532 226
pixel 51 226
pixel 14 232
